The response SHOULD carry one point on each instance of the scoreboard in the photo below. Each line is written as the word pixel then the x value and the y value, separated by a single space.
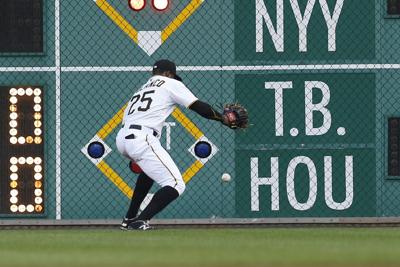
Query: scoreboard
pixel 22 150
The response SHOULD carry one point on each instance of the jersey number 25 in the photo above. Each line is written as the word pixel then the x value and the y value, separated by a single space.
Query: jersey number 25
pixel 145 99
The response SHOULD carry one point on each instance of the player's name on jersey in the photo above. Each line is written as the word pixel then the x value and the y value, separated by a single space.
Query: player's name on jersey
pixel 155 83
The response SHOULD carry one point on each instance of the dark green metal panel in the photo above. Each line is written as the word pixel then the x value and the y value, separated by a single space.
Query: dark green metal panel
pixel 360 194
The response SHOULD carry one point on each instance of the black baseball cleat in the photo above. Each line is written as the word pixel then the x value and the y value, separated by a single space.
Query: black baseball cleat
pixel 139 226
pixel 126 222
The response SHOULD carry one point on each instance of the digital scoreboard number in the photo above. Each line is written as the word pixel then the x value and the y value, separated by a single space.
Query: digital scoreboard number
pixel 22 150
pixel 21 26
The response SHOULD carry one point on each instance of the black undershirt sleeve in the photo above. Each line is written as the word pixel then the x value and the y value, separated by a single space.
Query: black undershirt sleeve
pixel 205 110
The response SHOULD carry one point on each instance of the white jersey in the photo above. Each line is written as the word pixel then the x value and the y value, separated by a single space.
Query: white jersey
pixel 151 105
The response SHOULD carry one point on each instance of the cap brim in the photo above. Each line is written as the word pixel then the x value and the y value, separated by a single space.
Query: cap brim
pixel 177 78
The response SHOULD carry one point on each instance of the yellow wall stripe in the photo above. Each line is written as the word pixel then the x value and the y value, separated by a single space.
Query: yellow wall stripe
pixel 118 19
pixel 189 126
pixel 192 170
pixel 115 178
pixel 180 19
pixel 111 124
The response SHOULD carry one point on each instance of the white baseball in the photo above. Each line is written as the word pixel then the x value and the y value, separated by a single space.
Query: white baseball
pixel 226 177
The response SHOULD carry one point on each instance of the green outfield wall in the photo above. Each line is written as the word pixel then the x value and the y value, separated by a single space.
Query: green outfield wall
pixel 320 79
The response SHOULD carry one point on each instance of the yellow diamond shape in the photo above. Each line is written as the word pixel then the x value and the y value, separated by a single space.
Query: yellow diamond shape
pixel 149 41
pixel 116 120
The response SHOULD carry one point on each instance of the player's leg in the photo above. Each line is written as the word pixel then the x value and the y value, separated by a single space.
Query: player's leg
pixel 142 188
pixel 158 165
pixel 124 144
pixel 161 199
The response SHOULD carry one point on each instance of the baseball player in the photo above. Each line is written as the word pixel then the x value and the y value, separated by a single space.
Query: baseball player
pixel 139 140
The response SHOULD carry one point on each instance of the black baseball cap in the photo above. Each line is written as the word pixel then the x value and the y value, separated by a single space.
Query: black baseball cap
pixel 166 65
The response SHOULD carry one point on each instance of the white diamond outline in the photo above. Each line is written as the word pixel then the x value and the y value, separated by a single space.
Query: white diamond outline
pixel 214 150
pixel 107 149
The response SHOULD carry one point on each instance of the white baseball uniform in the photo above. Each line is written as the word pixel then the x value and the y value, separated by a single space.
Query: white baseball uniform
pixel 143 120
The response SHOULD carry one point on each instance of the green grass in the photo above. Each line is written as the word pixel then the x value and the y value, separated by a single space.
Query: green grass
pixel 202 247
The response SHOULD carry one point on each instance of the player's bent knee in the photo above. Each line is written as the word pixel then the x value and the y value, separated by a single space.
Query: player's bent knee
pixel 180 187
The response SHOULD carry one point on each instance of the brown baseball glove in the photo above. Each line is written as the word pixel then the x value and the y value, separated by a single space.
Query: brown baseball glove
pixel 235 116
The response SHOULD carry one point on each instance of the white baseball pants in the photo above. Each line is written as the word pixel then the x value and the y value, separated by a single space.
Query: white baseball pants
pixel 145 149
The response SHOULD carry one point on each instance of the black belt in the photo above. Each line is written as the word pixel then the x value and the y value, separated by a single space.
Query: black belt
pixel 137 127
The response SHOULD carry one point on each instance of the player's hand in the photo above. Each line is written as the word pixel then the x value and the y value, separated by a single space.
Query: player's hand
pixel 235 116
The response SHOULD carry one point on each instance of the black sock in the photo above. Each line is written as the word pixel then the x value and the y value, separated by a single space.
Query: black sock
pixel 143 185
pixel 160 200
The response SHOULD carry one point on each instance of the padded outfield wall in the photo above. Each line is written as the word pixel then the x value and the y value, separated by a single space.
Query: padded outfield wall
pixel 320 79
